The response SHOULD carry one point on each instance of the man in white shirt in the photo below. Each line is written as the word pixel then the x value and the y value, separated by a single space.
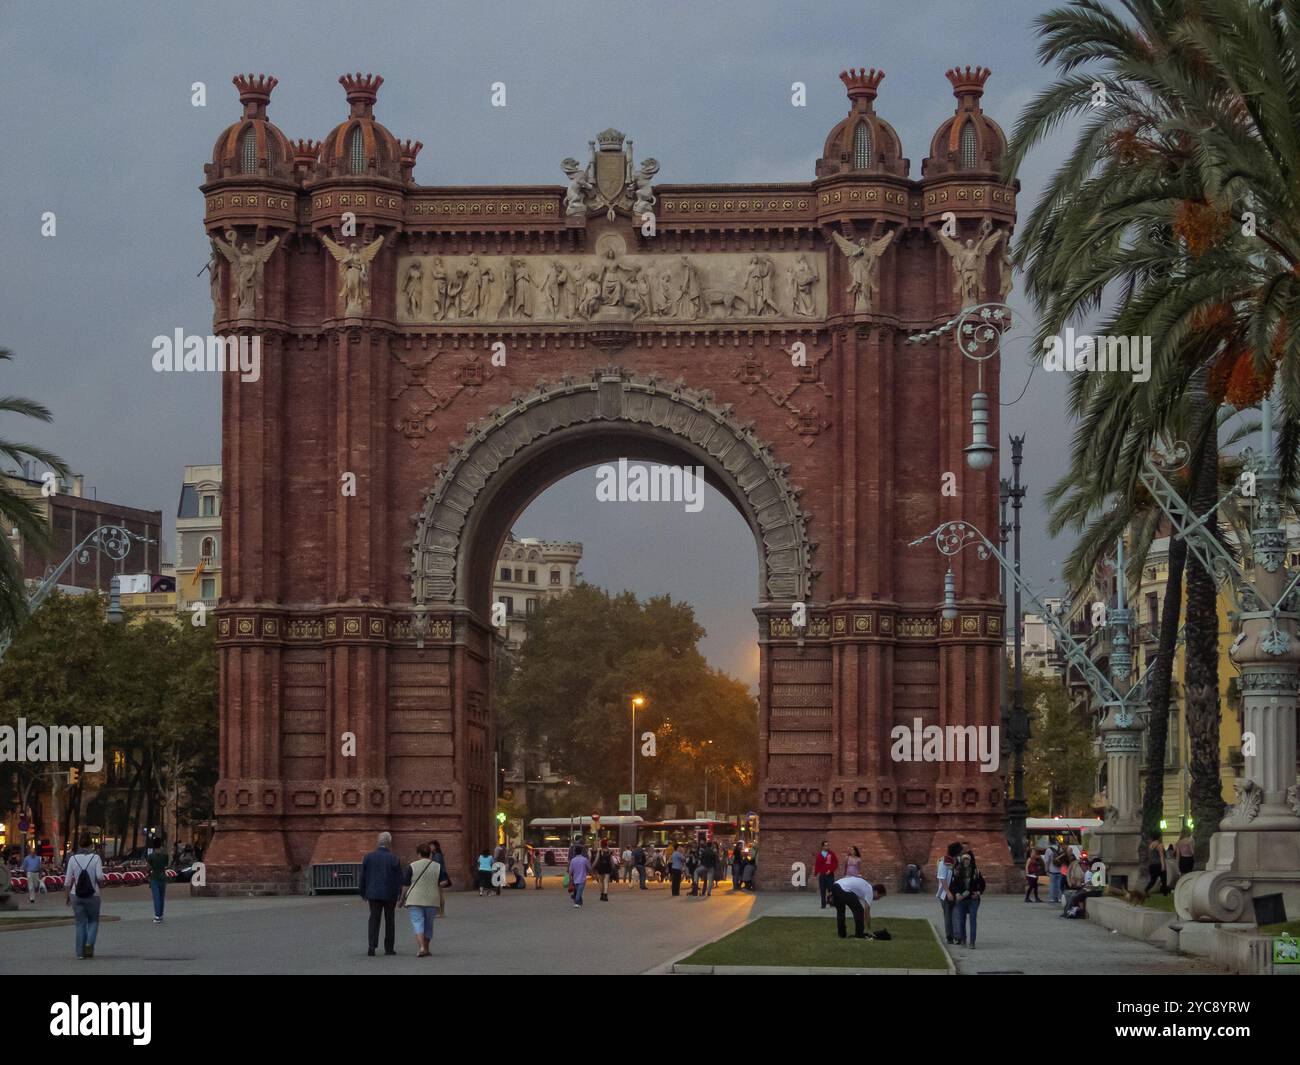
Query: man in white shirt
pixel 857 895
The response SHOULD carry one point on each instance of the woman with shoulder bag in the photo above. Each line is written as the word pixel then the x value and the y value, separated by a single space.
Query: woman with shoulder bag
pixel 422 894
pixel 1033 867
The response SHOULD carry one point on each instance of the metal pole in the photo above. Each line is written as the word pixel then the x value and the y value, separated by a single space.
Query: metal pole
pixel 1017 808
pixel 632 801
pixel 1004 530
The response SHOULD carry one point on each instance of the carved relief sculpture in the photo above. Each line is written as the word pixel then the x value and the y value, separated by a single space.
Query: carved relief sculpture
pixel 354 277
pixel 248 265
pixel 863 258
pixel 968 262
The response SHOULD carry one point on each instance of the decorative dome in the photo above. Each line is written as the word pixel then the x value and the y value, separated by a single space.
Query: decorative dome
pixel 254 145
pixel 360 146
pixel 863 141
pixel 970 140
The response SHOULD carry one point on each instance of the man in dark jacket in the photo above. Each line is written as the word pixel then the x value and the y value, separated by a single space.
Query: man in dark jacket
pixel 381 887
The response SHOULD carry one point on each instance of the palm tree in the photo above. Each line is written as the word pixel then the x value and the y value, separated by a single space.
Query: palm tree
pixel 1197 108
pixel 18 512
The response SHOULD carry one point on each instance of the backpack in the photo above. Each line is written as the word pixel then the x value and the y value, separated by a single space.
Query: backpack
pixel 881 934
pixel 85 887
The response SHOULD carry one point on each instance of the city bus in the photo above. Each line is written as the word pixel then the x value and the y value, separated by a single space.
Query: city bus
pixel 688 830
pixel 553 836
pixel 1066 831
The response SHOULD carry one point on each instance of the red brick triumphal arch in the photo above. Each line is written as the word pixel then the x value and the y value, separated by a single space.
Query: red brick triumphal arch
pixel 375 466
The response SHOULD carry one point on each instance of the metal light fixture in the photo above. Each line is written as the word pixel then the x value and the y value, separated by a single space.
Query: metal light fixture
pixel 115 614
pixel 979 452
pixel 949 596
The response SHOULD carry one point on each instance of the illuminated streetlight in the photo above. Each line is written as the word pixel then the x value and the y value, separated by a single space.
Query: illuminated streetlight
pixel 637 700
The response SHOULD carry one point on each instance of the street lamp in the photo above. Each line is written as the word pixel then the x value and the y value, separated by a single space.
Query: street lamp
pixel 637 700
pixel 978 333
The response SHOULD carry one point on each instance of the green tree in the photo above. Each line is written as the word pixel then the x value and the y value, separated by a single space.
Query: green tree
pixel 18 512
pixel 1061 766
pixel 587 653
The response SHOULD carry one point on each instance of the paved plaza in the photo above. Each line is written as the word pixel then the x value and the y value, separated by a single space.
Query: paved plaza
pixel 527 931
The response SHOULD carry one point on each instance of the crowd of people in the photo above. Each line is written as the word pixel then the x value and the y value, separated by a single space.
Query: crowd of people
pixel 703 864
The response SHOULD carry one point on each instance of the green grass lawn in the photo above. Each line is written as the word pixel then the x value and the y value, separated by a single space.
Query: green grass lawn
pixel 801 941
pixel 1165 903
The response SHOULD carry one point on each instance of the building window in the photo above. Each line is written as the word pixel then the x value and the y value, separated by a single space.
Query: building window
pixel 519 576
pixel 862 146
pixel 208 548
pixel 969 152
pixel 209 588
pixel 508 601
pixel 248 152
pixel 505 573
pixel 1153 610
pixel 555 576
pixel 357 152
pixel 530 606
pixel 532 576
pixel 208 509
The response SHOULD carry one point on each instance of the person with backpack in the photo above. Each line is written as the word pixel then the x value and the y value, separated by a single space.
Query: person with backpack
pixel 82 876
pixel 967 889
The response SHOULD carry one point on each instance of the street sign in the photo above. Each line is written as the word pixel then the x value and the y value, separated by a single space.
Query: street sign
pixel 625 803
pixel 641 801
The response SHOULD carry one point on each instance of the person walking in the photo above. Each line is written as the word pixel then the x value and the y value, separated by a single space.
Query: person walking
pixel 853 862
pixel 579 869
pixel 943 875
pixel 967 889
pixel 1185 850
pixel 82 875
pixel 676 864
pixel 539 865
pixel 856 895
pixel 737 864
pixel 1156 866
pixel 32 871
pixel 604 868
pixel 381 887
pixel 441 859
pixel 1033 868
pixel 825 865
pixel 484 876
pixel 157 861
pixel 423 896
pixel 708 870
pixel 639 861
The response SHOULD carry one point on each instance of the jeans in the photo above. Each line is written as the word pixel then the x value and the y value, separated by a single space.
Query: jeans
pixel 841 898
pixel 1157 872
pixel 1031 885
pixel 947 920
pixel 158 889
pixel 87 914
pixel 33 884
pixel 422 919
pixel 703 881
pixel 825 881
pixel 386 909
pixel 578 885
pixel 1054 888
pixel 676 877
pixel 962 910
pixel 640 873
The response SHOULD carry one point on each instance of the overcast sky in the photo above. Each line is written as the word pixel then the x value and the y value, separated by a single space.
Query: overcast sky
pixel 98 127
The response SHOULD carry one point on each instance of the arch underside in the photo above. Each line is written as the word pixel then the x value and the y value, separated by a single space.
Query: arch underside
pixel 515 452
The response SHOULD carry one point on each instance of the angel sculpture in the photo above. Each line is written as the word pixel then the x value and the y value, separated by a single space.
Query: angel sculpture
pixel 863 259
pixel 354 277
pixel 968 262
pixel 248 263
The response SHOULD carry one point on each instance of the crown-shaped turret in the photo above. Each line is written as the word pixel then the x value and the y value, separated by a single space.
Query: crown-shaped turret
pixel 253 146
pixel 410 149
pixel 359 146
pixel 862 141
pixel 862 84
pixel 970 140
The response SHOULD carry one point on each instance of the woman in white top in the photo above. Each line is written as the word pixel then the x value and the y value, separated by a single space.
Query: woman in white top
pixel 423 896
